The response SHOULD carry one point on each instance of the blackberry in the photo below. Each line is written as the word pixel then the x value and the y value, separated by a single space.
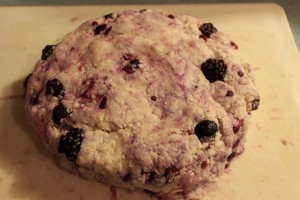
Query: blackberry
pixel 214 70
pixel 54 88
pixel 206 129
pixel 59 112
pixel 207 29
pixel 70 143
pixel 47 51
pixel 100 28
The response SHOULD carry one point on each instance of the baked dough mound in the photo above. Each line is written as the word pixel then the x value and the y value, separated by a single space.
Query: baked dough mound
pixel 143 100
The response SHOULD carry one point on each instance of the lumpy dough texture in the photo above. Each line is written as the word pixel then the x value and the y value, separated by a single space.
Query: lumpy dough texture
pixel 143 100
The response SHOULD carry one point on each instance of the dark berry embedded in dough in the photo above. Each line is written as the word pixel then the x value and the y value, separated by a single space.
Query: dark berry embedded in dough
pixel 107 30
pixel 94 23
pixel 54 88
pixel 110 15
pixel 132 66
pixel 255 104
pixel 229 93
pixel 204 164
pixel 171 16
pixel 214 70
pixel 143 10
pixel 47 51
pixel 152 177
pixel 70 143
pixel 206 129
pixel 127 177
pixel 153 98
pixel 25 82
pixel 207 29
pixel 236 143
pixel 234 45
pixel 240 73
pixel 34 99
pixel 203 37
pixel 59 112
pixel 231 156
pixel 100 28
pixel 237 128
pixel 102 104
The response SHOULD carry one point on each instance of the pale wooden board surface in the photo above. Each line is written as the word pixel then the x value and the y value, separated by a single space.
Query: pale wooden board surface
pixel 268 170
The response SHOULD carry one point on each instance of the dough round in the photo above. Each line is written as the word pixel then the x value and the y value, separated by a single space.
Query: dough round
pixel 143 100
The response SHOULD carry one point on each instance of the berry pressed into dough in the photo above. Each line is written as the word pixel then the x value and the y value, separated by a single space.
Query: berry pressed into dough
pixel 143 100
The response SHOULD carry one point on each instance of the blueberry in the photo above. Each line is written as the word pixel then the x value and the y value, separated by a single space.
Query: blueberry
pixel 255 104
pixel 54 88
pixel 100 28
pixel 214 70
pixel 102 104
pixel 25 82
pixel 70 143
pixel 47 51
pixel 59 112
pixel 34 99
pixel 206 129
pixel 207 29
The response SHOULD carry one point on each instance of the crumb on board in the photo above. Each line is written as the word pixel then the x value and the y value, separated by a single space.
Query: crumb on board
pixel 286 142
pixel 74 19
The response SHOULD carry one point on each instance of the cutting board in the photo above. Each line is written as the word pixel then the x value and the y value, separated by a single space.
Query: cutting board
pixel 269 168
